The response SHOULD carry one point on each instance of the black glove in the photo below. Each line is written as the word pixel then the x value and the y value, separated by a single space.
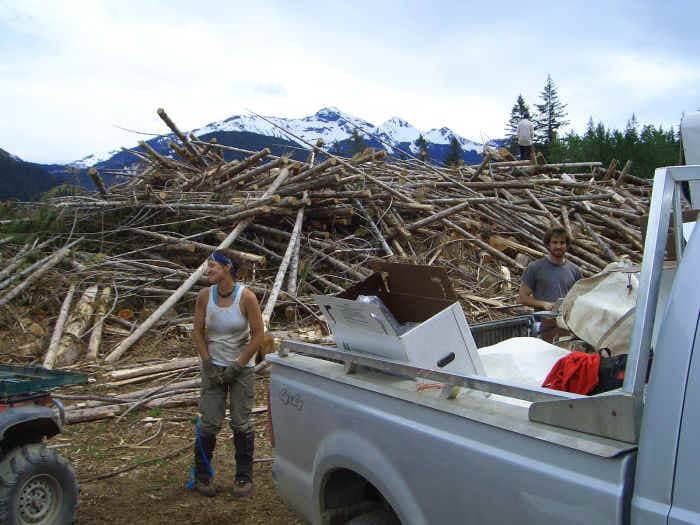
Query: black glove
pixel 232 372
pixel 212 371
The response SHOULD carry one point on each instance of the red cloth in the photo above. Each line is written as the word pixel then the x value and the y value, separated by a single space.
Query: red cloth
pixel 576 372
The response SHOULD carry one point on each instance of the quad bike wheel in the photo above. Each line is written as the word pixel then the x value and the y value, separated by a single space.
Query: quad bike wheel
pixel 37 487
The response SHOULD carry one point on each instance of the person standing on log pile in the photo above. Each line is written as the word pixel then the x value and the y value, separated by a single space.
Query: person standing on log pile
pixel 548 279
pixel 228 331
pixel 526 133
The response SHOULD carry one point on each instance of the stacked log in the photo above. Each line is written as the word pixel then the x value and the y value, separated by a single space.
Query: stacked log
pixel 301 228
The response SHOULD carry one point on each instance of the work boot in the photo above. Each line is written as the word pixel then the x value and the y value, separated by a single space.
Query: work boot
pixel 244 443
pixel 205 489
pixel 202 467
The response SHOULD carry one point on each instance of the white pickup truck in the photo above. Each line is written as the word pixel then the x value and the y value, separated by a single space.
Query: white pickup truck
pixel 367 448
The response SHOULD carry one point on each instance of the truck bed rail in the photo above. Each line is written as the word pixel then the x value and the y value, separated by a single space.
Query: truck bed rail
pixel 492 332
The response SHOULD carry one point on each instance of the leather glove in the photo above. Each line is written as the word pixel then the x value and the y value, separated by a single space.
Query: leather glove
pixel 212 371
pixel 232 372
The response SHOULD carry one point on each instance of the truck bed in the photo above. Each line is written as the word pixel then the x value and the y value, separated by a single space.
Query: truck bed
pixel 380 425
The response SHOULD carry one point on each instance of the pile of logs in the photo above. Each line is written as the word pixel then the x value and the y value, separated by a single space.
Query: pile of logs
pixel 137 249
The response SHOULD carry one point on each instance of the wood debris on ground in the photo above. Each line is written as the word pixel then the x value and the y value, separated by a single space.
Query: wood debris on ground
pixel 87 276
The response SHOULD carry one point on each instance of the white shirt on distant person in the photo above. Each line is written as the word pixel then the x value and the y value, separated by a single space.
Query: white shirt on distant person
pixel 525 132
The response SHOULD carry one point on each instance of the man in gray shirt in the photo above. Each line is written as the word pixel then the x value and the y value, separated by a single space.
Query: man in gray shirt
pixel 548 279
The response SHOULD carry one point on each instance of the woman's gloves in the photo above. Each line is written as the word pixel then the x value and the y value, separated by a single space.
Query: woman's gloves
pixel 212 371
pixel 232 372
pixel 219 376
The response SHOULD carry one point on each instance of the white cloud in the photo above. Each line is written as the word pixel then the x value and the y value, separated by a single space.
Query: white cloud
pixel 71 71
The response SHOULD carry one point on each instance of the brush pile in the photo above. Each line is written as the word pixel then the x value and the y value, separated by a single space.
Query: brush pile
pixel 89 274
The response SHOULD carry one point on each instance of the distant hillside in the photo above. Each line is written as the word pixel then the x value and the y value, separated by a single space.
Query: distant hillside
pixel 24 180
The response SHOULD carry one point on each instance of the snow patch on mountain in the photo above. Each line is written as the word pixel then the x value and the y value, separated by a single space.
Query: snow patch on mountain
pixel 444 136
pixel 95 158
pixel 329 124
pixel 398 130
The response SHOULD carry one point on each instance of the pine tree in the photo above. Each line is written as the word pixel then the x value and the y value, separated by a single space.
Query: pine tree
pixel 647 147
pixel 454 154
pixel 357 143
pixel 519 111
pixel 422 145
pixel 551 113
pixel 335 148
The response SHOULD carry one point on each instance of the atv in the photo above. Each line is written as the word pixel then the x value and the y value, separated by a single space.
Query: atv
pixel 37 485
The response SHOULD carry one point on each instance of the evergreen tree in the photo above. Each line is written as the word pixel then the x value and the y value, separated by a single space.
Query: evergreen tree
pixel 551 113
pixel 519 111
pixel 335 148
pixel 422 145
pixel 454 154
pixel 357 143
pixel 648 148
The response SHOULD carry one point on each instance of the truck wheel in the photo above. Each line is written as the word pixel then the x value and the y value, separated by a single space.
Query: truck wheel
pixel 376 517
pixel 37 487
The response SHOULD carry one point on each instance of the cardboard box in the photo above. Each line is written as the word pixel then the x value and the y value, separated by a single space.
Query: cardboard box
pixel 416 294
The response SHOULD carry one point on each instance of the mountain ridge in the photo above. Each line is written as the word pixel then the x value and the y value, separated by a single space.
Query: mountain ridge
pixel 26 180
pixel 330 124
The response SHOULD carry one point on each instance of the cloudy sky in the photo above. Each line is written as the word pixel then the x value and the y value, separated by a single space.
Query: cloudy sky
pixel 71 72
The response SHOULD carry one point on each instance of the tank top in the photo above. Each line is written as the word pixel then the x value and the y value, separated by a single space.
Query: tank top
pixel 227 329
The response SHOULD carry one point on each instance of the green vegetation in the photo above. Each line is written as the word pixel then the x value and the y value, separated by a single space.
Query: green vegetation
pixel 422 147
pixel 454 154
pixel 647 146
pixel 27 227
pixel 357 143
pixel 519 111
pixel 551 114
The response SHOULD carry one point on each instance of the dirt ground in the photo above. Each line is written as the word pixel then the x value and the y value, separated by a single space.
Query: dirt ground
pixel 155 492
pixel 157 442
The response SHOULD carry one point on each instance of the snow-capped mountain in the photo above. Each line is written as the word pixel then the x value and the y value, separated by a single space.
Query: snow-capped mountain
pixel 330 124
pixel 94 159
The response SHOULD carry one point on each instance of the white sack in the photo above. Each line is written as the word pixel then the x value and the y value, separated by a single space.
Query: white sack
pixel 522 360
pixel 525 361
pixel 600 309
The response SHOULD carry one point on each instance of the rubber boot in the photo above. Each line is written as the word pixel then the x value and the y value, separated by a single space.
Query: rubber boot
pixel 244 443
pixel 203 483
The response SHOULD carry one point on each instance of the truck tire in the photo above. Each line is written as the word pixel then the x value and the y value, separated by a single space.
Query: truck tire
pixel 376 517
pixel 37 487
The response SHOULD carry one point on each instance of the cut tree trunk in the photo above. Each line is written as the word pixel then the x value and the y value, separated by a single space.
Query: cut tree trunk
pixel 70 347
pixel 50 357
pixel 96 334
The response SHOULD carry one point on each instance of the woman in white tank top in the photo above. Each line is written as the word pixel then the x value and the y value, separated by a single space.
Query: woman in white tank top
pixel 228 331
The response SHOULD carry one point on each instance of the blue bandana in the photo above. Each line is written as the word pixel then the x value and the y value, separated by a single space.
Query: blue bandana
pixel 220 258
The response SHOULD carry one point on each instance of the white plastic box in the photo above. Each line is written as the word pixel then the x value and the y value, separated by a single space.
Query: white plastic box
pixel 415 294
